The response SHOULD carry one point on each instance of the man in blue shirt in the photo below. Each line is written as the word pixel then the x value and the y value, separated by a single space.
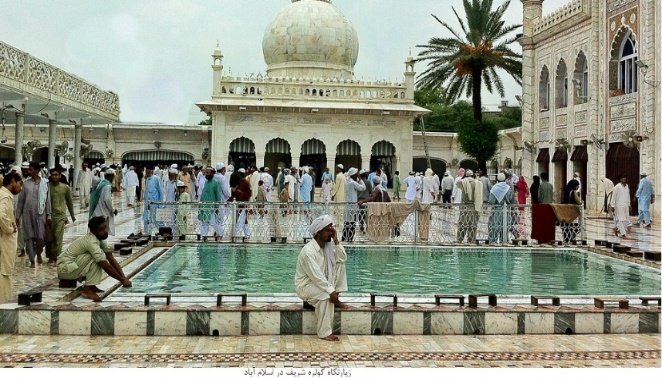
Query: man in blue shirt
pixel 153 193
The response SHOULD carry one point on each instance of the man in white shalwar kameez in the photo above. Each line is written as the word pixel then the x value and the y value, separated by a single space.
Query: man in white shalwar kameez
pixel 320 274
pixel 620 207
pixel 430 187
pixel 268 181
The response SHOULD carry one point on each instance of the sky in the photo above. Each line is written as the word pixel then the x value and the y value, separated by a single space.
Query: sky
pixel 156 54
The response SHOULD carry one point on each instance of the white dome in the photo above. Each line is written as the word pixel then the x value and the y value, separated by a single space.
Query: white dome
pixel 310 38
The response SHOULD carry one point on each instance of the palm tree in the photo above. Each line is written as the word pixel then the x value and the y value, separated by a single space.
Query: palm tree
pixel 461 64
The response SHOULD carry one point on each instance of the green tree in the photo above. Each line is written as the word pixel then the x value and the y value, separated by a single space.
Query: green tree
pixel 508 118
pixel 478 139
pixel 463 63
pixel 205 121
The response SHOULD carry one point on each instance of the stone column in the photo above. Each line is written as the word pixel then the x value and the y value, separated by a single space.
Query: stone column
pixel 331 163
pixel 78 131
pixel 52 138
pixel 259 159
pixel 365 161
pixel 18 138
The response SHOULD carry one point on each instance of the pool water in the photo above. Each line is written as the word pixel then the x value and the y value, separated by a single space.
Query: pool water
pixel 208 269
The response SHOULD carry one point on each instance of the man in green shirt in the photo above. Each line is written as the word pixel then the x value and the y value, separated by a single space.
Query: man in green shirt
pixel 88 257
pixel 209 213
pixel 61 201
pixel 396 186
pixel 546 190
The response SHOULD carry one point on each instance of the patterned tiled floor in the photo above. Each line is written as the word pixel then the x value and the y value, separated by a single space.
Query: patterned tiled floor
pixel 635 350
pixel 350 352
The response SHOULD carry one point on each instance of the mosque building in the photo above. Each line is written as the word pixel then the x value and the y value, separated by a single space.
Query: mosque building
pixel 591 94
pixel 309 109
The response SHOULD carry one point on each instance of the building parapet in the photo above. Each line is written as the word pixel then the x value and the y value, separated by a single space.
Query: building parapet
pixel 340 89
pixel 573 8
pixel 45 80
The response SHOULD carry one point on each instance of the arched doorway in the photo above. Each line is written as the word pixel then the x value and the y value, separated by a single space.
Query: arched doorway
pixel 94 157
pixel 313 154
pixel 383 157
pixel 469 164
pixel 277 155
pixel 622 160
pixel 420 164
pixel 7 155
pixel 560 160
pixel 242 153
pixel 579 160
pixel 160 157
pixel 543 160
pixel 348 153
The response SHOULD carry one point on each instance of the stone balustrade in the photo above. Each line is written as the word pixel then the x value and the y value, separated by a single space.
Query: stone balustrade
pixel 565 12
pixel 39 76
pixel 348 89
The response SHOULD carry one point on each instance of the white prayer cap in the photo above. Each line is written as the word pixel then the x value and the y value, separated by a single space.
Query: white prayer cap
pixel 219 166
pixel 362 171
pixel 103 166
pixel 447 173
pixel 173 171
pixel 180 183
pixel 428 172
pixel 175 166
pixel 340 166
pixel 110 171
pixel 643 174
pixel 576 174
pixel 501 177
pixel 230 168
pixel 469 173
pixel 241 170
pixel 25 164
pixel 266 169
pixel 352 171
pixel 319 224
pixel 132 167
pixel 377 180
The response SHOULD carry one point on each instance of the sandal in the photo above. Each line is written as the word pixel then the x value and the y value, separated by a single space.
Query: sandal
pixel 331 337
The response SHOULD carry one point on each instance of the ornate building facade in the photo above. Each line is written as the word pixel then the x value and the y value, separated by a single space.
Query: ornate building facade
pixel 591 94
pixel 309 109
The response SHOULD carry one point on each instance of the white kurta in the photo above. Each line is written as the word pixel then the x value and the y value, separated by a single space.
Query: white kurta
pixel 314 287
pixel 255 178
pixel 457 190
pixel 620 201
pixel 429 189
pixel 410 194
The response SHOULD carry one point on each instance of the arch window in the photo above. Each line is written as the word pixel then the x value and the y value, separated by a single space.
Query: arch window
pixel 545 89
pixel 580 78
pixel 627 66
pixel 561 85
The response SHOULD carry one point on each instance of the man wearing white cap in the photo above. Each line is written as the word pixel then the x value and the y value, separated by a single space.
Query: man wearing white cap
pixel 171 194
pixel 352 188
pixel 268 182
pixel 306 185
pixel 412 187
pixel 471 205
pixel 84 186
pixel 223 181
pixel 429 187
pixel 447 185
pixel 320 274
pixel 184 220
pixel 645 196
pixel 129 184
pixel 101 202
pixel 338 191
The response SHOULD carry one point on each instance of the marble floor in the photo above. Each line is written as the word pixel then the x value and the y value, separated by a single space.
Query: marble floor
pixel 300 351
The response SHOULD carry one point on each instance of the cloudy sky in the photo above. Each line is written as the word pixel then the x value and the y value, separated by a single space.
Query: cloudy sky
pixel 155 54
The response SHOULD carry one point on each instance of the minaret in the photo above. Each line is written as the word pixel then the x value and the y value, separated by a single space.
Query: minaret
pixel 217 66
pixel 532 14
pixel 410 75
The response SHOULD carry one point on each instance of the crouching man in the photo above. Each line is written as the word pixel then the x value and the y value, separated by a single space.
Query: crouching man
pixel 320 274
pixel 88 257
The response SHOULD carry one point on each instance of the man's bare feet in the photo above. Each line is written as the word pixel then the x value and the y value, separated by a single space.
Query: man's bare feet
pixel 95 289
pixel 89 293
pixel 331 337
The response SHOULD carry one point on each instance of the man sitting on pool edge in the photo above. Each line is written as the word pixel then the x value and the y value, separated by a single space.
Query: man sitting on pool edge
pixel 320 274
pixel 88 257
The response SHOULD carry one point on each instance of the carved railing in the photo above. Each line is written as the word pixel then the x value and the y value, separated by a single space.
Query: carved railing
pixel 312 88
pixel 559 15
pixel 24 68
